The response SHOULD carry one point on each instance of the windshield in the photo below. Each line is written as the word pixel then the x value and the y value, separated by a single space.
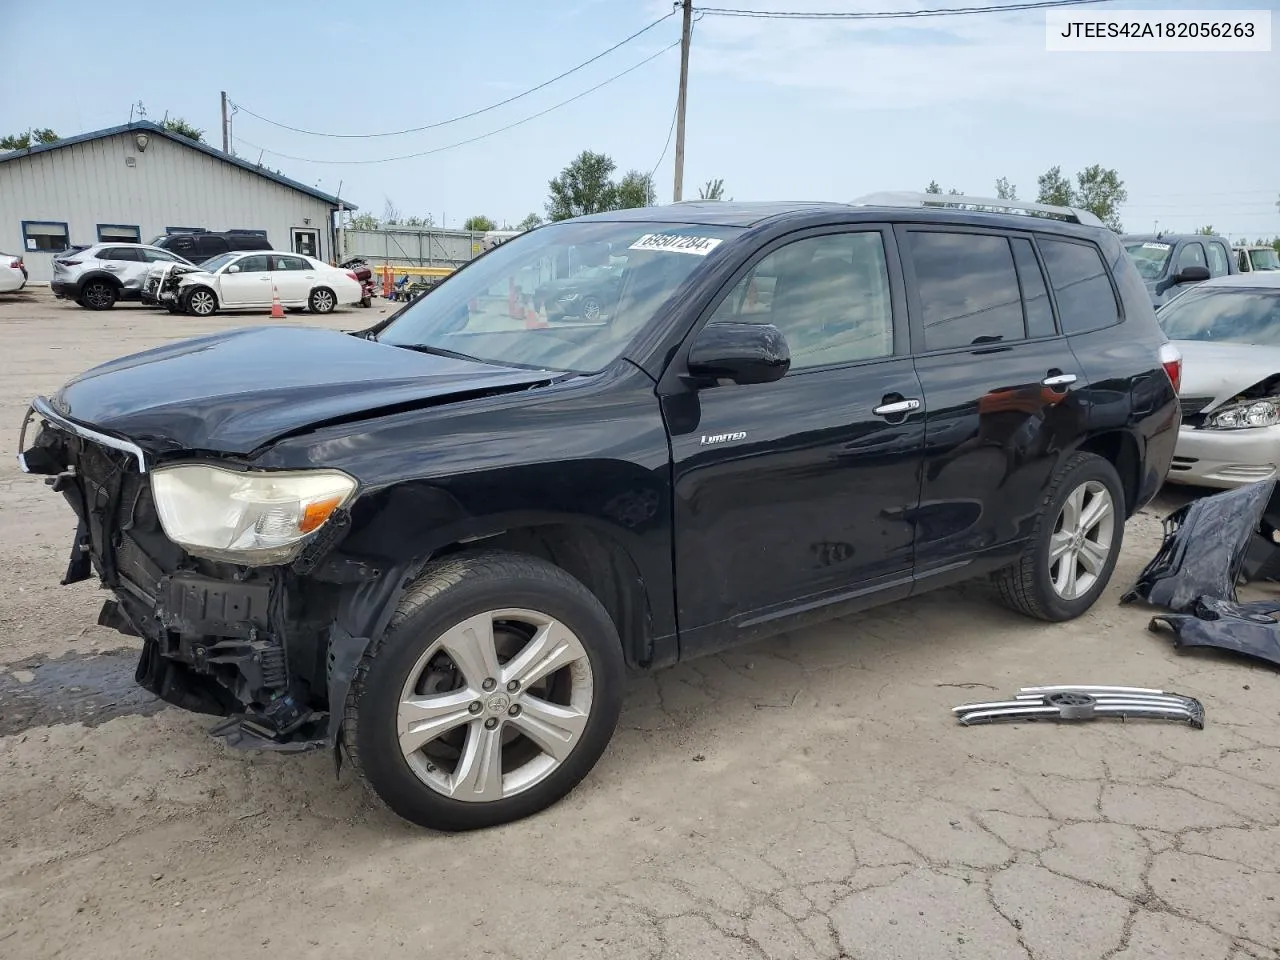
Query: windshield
pixel 218 262
pixel 513 306
pixel 1224 316
pixel 1265 259
pixel 1151 256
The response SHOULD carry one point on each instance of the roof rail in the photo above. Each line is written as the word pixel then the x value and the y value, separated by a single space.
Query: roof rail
pixel 908 199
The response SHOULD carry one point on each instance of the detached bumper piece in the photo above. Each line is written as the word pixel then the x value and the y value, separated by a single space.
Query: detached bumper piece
pixel 1250 629
pixel 1087 702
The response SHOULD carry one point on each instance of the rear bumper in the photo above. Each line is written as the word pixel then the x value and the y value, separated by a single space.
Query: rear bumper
pixel 65 289
pixel 1226 458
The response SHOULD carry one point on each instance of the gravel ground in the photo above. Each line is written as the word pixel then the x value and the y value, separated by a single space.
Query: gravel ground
pixel 809 797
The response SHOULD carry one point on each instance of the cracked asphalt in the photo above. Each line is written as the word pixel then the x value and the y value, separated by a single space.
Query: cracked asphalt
pixel 808 797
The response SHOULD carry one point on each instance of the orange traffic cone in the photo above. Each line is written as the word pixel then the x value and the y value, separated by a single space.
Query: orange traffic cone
pixel 533 320
pixel 277 311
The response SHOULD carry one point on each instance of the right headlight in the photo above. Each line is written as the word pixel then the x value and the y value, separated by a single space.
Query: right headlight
pixel 1247 413
pixel 251 517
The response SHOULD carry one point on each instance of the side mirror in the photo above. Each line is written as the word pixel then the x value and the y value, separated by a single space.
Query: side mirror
pixel 234 268
pixel 741 352
pixel 1192 275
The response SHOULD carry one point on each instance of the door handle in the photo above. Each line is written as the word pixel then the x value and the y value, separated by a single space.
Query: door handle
pixel 1059 380
pixel 896 408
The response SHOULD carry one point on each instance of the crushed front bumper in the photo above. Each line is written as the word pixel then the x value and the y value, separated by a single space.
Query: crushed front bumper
pixel 1225 459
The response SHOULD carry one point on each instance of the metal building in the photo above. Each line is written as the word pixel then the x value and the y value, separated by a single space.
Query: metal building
pixel 139 181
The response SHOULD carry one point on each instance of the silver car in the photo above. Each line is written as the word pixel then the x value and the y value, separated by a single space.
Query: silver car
pixel 1228 330
pixel 99 276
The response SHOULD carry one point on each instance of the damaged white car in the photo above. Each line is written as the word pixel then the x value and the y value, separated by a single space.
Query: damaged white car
pixel 1228 330
pixel 246 280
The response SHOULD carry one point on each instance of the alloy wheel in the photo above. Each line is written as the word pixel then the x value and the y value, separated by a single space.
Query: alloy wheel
pixel 98 295
pixel 322 301
pixel 495 705
pixel 202 303
pixel 591 309
pixel 1081 541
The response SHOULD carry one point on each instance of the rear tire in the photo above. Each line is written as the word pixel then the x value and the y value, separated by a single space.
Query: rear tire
pixel 98 295
pixel 322 300
pixel 1074 546
pixel 414 662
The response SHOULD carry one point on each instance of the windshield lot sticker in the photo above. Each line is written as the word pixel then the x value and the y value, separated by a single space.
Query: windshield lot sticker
pixel 1157 246
pixel 675 243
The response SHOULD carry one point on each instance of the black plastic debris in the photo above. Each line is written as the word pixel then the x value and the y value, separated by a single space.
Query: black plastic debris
pixel 1206 544
pixel 1251 629
pixel 1085 702
pixel 1210 547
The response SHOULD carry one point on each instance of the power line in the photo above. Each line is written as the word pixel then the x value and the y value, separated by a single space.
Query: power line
pixel 465 116
pixel 892 14
pixel 475 139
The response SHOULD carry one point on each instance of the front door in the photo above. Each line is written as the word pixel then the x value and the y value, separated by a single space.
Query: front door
pixel 790 497
pixel 306 242
pixel 250 285
pixel 1001 385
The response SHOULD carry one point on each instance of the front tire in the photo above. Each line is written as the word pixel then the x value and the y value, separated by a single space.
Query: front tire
pixel 322 300
pixel 493 691
pixel 1074 546
pixel 200 302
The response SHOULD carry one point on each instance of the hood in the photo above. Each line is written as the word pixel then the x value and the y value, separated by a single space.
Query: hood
pixel 235 391
pixel 1222 370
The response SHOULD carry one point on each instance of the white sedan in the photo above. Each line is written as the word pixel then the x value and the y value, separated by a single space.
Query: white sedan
pixel 13 274
pixel 247 280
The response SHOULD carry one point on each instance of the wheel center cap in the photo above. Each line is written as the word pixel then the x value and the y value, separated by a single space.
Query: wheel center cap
pixel 1077 541
pixel 498 703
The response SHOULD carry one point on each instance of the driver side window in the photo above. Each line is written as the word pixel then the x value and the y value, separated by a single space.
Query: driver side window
pixel 254 264
pixel 829 296
pixel 1191 255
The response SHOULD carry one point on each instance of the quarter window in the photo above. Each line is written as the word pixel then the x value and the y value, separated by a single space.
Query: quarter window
pixel 1218 259
pixel 47 236
pixel 829 296
pixel 1086 299
pixel 968 287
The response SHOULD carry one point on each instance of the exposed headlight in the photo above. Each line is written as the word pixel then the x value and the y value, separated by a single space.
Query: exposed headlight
pixel 1249 413
pixel 248 517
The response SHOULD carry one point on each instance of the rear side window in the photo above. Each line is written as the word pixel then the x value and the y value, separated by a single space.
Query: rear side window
pixel 968 289
pixel 120 253
pixel 1035 296
pixel 1086 299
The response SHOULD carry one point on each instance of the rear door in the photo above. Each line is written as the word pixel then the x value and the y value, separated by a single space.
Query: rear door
pixel 125 264
pixel 250 285
pixel 1000 386
pixel 293 278
pixel 792 498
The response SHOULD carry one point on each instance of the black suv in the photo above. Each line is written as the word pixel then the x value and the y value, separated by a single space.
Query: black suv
pixel 434 545
pixel 205 245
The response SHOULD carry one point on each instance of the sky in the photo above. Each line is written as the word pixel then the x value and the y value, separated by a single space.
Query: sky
pixel 779 110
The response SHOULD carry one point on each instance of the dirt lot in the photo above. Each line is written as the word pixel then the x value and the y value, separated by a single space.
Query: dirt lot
pixel 809 797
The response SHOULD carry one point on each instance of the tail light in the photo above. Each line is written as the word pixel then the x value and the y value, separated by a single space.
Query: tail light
pixel 1171 360
pixel 352 275
pixel 67 263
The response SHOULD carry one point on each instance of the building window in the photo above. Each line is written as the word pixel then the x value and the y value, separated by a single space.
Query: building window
pixel 48 236
pixel 118 233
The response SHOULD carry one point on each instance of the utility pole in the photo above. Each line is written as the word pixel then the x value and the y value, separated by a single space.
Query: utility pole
pixel 678 192
pixel 226 126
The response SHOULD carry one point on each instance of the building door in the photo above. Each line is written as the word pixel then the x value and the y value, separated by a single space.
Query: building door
pixel 306 242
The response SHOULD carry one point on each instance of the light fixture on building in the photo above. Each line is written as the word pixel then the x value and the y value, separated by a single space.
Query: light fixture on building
pixel 141 139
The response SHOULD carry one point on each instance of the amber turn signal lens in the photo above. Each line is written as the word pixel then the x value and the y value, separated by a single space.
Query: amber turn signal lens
pixel 317 512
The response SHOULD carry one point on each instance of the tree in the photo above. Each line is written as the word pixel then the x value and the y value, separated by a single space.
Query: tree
pixel 183 129
pixel 390 213
pixel 1207 231
pixel 363 221
pixel 1005 190
pixel 529 222
pixel 1055 189
pixel 636 190
pixel 711 190
pixel 1101 192
pixel 479 224
pixel 933 187
pixel 22 141
pixel 583 187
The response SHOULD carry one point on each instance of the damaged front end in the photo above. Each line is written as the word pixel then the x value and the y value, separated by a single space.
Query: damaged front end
pixel 1210 547
pixel 271 641
pixel 162 284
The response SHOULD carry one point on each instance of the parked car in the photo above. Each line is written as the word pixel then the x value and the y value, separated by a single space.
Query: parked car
pixel 100 275
pixel 1250 259
pixel 589 294
pixel 1228 331
pixel 239 281
pixel 207 244
pixel 1169 263
pixel 435 543
pixel 13 273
